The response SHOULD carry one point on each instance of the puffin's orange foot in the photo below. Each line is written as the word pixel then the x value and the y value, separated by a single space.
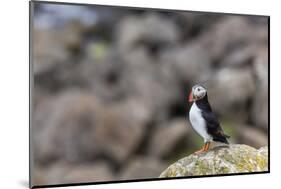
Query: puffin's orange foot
pixel 204 149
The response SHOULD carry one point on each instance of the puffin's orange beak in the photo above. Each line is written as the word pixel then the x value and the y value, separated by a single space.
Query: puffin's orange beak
pixel 190 98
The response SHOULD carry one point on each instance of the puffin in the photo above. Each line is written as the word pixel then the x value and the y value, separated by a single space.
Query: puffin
pixel 203 120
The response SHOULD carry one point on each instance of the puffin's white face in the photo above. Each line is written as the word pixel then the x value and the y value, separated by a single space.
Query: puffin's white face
pixel 197 93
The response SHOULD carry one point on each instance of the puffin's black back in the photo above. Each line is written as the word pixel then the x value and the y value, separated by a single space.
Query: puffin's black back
pixel 212 123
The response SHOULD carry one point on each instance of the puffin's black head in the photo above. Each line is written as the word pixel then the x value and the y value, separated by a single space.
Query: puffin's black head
pixel 197 93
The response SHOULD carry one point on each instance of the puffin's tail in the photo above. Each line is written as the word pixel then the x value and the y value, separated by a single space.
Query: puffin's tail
pixel 227 136
pixel 222 139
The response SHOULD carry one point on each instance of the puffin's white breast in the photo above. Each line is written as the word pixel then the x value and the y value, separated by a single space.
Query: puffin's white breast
pixel 198 122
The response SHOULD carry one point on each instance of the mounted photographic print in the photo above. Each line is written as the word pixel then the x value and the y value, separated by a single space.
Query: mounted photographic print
pixel 122 94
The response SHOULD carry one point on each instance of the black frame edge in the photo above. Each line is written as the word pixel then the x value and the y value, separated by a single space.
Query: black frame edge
pixel 149 179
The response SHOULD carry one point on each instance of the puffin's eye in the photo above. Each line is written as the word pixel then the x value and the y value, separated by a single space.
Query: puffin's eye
pixel 198 89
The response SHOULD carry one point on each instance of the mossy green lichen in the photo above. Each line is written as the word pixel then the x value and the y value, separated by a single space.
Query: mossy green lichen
pixel 234 158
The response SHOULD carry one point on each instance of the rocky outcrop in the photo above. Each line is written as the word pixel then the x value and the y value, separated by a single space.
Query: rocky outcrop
pixel 234 158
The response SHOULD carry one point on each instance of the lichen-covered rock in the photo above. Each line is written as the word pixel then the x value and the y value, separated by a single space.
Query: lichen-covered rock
pixel 234 158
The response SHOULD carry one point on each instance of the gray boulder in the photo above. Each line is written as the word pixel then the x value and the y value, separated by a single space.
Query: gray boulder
pixel 259 112
pixel 165 138
pixel 223 38
pixel 187 63
pixel 252 136
pixel 49 50
pixel 230 91
pixel 149 31
pixel 81 128
pixel 142 167
pixel 61 173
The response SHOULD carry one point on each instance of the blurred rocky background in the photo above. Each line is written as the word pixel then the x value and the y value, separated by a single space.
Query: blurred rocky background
pixel 110 87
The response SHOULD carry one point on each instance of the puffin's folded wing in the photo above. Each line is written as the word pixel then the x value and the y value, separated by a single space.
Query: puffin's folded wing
pixel 214 128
